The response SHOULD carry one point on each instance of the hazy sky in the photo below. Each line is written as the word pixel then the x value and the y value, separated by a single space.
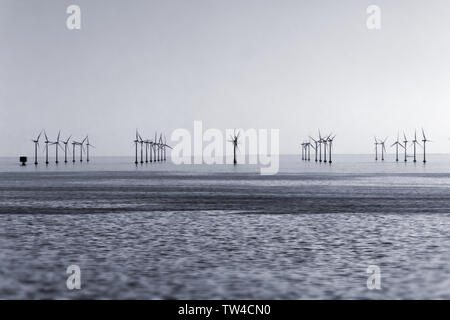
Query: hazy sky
pixel 159 65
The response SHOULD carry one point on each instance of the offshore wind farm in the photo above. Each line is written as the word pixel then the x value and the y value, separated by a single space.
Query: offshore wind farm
pixel 224 150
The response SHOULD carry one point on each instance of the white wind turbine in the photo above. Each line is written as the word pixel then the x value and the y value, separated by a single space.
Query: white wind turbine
pixel 88 144
pixel 66 143
pixel 376 148
pixel 57 145
pixel 383 149
pixel 36 146
pixel 405 146
pixel 415 141
pixel 46 147
pixel 330 142
pixel 235 141
pixel 136 141
pixel 424 140
pixel 396 144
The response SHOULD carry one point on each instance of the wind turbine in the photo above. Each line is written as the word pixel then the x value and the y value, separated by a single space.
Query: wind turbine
pixel 414 144
pixel 142 148
pixel 88 144
pixel 424 140
pixel 81 149
pixel 65 148
pixel 325 142
pixel 36 145
pixel 235 140
pixel 136 146
pixel 315 148
pixel 74 144
pixel 383 149
pixel 396 144
pixel 160 148
pixel 155 146
pixel 376 148
pixel 57 145
pixel 320 147
pixel 405 141
pixel 46 147
pixel 330 142
pixel 303 150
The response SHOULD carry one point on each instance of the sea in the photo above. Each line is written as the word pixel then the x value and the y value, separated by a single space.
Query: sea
pixel 166 231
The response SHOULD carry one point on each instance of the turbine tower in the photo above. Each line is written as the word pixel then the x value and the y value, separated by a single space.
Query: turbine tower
pixel 396 144
pixel 320 147
pixel 36 145
pixel 303 150
pixel 74 144
pixel 141 142
pixel 136 146
pixel 383 149
pixel 46 147
pixel 424 140
pixel 405 146
pixel 235 141
pixel 155 146
pixel 414 144
pixel 160 148
pixel 57 145
pixel 330 142
pixel 88 144
pixel 376 148
pixel 65 148
pixel 325 142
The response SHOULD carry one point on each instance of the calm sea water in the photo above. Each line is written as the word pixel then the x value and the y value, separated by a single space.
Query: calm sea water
pixel 159 231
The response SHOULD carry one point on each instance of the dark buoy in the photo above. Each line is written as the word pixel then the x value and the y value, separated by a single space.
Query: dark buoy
pixel 23 160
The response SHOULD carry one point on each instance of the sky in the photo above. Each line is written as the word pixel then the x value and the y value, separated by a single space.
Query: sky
pixel 292 65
